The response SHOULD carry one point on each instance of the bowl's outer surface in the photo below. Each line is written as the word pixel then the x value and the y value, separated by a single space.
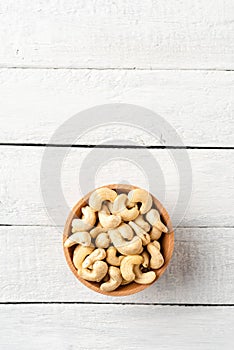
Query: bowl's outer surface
pixel 166 241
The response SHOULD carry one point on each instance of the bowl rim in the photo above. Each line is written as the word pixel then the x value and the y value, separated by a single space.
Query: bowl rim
pixel 135 288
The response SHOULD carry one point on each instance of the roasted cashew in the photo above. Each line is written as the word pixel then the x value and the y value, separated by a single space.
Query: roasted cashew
pixel 155 233
pixel 80 254
pixel 146 258
pixel 112 258
pixel 114 281
pixel 127 265
pixel 96 255
pixel 156 260
pixel 97 273
pixel 125 247
pixel 126 231
pixel 102 240
pixel 119 207
pixel 153 217
pixel 99 196
pixel 89 215
pixel 144 236
pixel 142 196
pixel 83 238
pixel 143 278
pixel 142 223
pixel 107 220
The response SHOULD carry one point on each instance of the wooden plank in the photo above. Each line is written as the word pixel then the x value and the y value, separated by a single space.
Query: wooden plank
pixel 212 198
pixel 64 327
pixel 126 34
pixel 198 105
pixel 33 269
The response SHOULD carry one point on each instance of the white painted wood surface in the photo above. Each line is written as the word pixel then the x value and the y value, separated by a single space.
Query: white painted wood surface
pixel 58 58
pixel 211 201
pixel 33 269
pixel 67 327
pixel 125 34
pixel 198 104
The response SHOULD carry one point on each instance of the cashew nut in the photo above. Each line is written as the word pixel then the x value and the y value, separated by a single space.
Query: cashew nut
pixel 142 196
pixel 126 221
pixel 107 220
pixel 129 204
pixel 96 255
pixel 125 247
pixel 80 225
pixel 157 244
pixel 126 231
pixel 129 214
pixel 119 207
pixel 109 206
pixel 155 233
pixel 156 260
pixel 127 265
pixel 146 258
pixel 112 258
pixel 102 240
pixel 123 283
pixel 143 278
pixel 106 278
pixel 89 215
pixel 97 273
pixel 83 238
pixel 153 217
pixel 144 236
pixel 114 281
pixel 99 196
pixel 142 223
pixel 96 231
pixel 80 254
pixel 119 203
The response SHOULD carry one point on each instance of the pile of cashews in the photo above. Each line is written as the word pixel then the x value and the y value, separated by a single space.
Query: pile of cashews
pixel 117 239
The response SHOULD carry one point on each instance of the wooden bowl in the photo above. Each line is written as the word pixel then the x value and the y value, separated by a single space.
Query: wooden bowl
pixel 166 241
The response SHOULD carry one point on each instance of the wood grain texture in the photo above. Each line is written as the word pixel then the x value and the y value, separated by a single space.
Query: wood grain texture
pixel 161 34
pixel 211 203
pixel 199 105
pixel 62 327
pixel 33 269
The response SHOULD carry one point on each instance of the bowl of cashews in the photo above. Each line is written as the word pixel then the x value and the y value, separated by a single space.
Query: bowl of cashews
pixel 118 240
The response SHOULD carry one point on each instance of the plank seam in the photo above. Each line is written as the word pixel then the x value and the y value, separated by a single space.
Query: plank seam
pixel 112 303
pixel 10 144
pixel 118 68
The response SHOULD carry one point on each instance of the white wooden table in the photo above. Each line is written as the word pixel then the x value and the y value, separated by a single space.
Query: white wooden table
pixel 60 57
